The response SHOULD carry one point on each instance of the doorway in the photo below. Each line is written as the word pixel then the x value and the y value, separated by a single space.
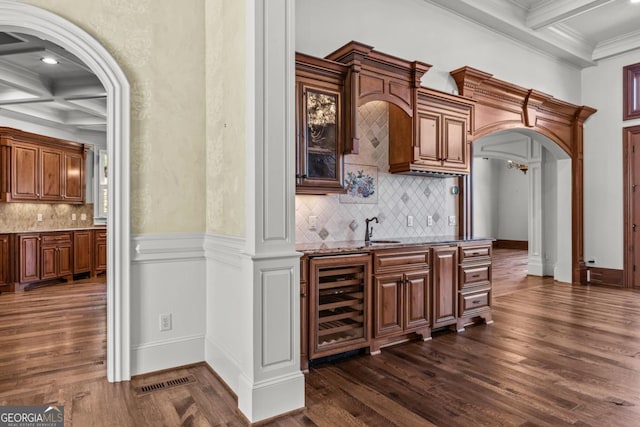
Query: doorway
pixel 521 196
pixel 23 18
pixel 631 179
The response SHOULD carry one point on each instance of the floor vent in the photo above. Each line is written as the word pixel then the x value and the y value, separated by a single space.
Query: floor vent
pixel 149 388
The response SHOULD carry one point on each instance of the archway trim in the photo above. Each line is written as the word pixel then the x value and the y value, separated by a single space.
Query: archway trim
pixel 502 105
pixel 20 17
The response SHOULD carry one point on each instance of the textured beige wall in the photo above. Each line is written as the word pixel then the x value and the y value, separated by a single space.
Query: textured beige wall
pixel 160 46
pixel 225 64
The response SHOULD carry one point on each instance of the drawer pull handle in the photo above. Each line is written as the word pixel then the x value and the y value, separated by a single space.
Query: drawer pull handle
pixel 475 253
pixel 475 302
pixel 475 276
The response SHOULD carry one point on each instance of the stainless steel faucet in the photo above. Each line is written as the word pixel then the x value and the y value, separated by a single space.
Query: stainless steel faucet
pixel 368 233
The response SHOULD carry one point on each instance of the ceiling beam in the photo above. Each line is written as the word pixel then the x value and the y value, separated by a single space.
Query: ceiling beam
pixel 24 80
pixel 550 13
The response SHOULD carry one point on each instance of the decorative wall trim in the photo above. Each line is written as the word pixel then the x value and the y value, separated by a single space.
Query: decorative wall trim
pixel 606 276
pixel 225 249
pixel 167 247
pixel 166 354
pixel 223 363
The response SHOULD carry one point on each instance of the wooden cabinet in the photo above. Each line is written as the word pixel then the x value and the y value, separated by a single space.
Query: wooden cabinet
pixel 474 287
pixel 401 296
pixel 445 286
pixel 339 304
pixel 82 251
pixel 100 252
pixel 5 272
pixel 441 123
pixel 35 168
pixel 304 314
pixel 28 258
pixel 56 255
pixel 319 122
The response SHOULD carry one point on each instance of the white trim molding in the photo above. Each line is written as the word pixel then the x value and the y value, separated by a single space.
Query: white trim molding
pixel 167 247
pixel 24 18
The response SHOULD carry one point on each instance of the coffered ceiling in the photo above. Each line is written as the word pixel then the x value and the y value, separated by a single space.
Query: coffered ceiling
pixel 65 96
pixel 578 31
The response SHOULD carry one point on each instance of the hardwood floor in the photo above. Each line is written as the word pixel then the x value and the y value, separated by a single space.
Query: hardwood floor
pixel 556 355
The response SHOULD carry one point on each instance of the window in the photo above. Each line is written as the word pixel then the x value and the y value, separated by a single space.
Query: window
pixel 631 92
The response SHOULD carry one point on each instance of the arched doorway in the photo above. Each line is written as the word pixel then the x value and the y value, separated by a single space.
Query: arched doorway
pixel 529 203
pixel 504 106
pixel 23 18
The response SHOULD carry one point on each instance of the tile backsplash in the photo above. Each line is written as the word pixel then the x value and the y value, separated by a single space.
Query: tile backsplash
pixel 17 217
pixel 339 218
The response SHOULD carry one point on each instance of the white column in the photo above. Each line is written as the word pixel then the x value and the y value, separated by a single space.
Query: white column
pixel 270 381
pixel 536 267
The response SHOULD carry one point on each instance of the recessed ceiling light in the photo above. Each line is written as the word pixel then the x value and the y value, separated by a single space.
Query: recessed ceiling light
pixel 49 60
pixel 635 1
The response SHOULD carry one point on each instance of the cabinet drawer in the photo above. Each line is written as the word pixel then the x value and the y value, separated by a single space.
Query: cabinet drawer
pixel 101 234
pixel 56 238
pixel 474 275
pixel 400 259
pixel 304 269
pixel 472 253
pixel 474 301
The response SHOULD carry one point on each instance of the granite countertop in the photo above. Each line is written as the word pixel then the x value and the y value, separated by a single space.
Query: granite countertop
pixel 53 230
pixel 352 246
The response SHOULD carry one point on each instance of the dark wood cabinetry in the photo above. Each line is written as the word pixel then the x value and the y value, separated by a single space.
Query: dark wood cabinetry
pixel 82 251
pixel 339 304
pixel 304 314
pixel 401 295
pixel 320 129
pixel 56 255
pixel 5 272
pixel 474 286
pixel 441 125
pixel 35 168
pixel 445 286
pixel 28 258
pixel 100 252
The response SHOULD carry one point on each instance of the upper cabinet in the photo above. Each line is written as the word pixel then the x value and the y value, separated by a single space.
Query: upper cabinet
pixel 320 128
pixel 427 128
pixel 35 168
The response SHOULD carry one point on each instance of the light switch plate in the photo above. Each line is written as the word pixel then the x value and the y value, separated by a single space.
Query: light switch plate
pixel 452 220
pixel 73 217
pixel 409 220
pixel 39 217
pixel 83 217
pixel 429 220
pixel 313 222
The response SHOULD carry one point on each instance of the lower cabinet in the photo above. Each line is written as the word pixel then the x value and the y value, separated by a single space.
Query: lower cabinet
pixel 304 314
pixel 100 252
pixel 28 262
pixel 56 255
pixel 5 272
pixel 401 296
pixel 82 251
pixel 445 286
pixel 339 304
pixel 474 286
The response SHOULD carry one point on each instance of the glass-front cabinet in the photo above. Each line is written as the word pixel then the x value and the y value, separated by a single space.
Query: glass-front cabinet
pixel 320 136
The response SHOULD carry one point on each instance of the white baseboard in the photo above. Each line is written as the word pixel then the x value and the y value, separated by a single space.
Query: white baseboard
pixel 267 399
pixel 167 354
pixel 225 365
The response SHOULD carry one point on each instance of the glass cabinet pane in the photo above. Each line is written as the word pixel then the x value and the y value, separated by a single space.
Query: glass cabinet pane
pixel 321 134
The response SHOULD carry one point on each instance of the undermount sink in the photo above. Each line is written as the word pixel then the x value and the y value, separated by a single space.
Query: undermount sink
pixel 383 241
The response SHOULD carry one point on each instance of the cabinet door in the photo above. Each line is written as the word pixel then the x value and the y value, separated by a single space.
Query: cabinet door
pixel 428 145
pixel 454 143
pixel 65 260
pixel 50 174
pixel 100 252
pixel 416 305
pixel 29 247
pixel 319 140
pixel 82 251
pixel 49 259
pixel 24 172
pixel 4 259
pixel 73 178
pixel 388 304
pixel 445 288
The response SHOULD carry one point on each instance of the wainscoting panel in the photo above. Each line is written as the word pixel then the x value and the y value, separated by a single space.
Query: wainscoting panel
pixel 168 276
